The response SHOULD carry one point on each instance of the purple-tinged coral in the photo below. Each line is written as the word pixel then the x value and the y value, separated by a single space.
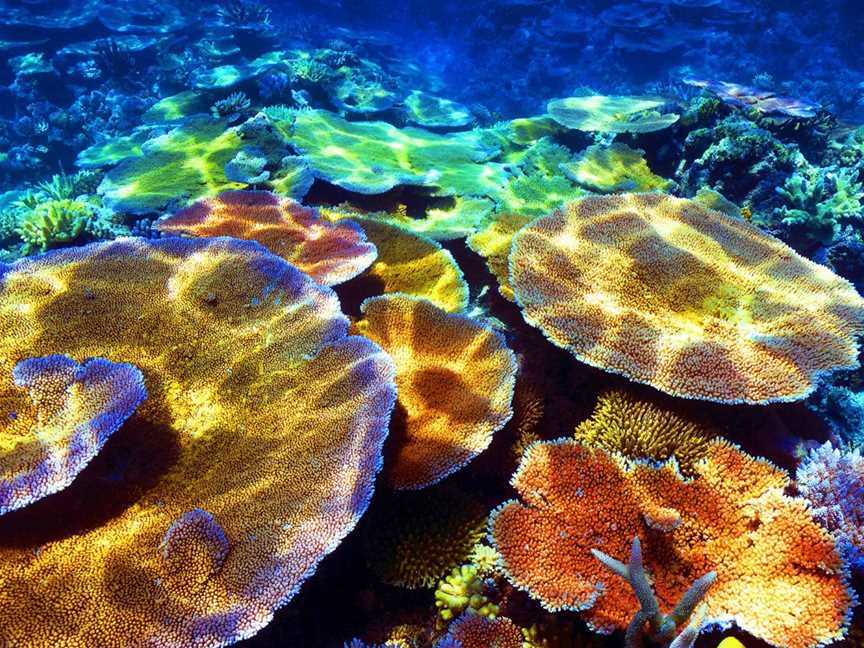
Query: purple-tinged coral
pixel 762 100
pixel 72 411
pixel 833 481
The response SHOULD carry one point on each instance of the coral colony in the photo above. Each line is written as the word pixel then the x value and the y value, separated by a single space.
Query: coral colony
pixel 501 325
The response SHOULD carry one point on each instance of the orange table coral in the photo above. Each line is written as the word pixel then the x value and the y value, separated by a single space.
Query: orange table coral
pixel 57 414
pixel 329 253
pixel 253 456
pixel 778 573
pixel 455 377
pixel 691 301
pixel 478 631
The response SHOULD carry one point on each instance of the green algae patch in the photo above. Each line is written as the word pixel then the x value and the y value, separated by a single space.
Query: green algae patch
pixel 183 165
pixel 617 167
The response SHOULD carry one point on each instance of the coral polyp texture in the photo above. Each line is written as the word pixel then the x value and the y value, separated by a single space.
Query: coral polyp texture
pixel 641 429
pixel 611 114
pixel 254 454
pixel 779 575
pixel 329 253
pixel 617 167
pixel 57 414
pixel 478 631
pixel 833 481
pixel 455 377
pixel 688 300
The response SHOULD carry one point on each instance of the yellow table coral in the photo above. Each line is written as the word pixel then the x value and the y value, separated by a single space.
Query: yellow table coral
pixel 253 456
pixel 688 300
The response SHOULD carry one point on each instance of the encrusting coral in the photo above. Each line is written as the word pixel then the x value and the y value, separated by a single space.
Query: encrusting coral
pixel 57 414
pixel 253 456
pixel 455 377
pixel 329 253
pixel 771 558
pixel 641 429
pixel 690 301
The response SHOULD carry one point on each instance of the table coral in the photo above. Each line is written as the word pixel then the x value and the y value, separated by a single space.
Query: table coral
pixel 436 112
pixel 611 114
pixel 478 631
pixel 57 416
pixel 455 377
pixel 779 574
pixel 174 169
pixel 833 481
pixel 642 429
pixel 330 253
pixel 690 301
pixel 263 429
pixel 415 265
pixel 616 167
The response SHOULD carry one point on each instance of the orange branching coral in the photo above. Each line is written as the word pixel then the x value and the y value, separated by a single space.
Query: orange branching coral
pixel 688 300
pixel 56 415
pixel 493 243
pixel 415 265
pixel 479 631
pixel 779 575
pixel 254 454
pixel 455 377
pixel 329 253
pixel 639 429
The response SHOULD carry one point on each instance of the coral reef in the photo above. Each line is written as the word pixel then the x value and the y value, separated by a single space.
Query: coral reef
pixel 455 377
pixel 479 631
pixel 731 519
pixel 709 307
pixel 214 325
pixel 611 114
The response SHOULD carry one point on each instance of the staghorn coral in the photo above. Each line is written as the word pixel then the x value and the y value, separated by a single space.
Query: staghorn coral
pixel 732 518
pixel 478 631
pixel 613 168
pixel 53 223
pixel 57 415
pixel 641 429
pixel 414 539
pixel 832 480
pixel 455 377
pixel 464 589
pixel 690 301
pixel 611 114
pixel 494 242
pixel 262 413
pixel 329 253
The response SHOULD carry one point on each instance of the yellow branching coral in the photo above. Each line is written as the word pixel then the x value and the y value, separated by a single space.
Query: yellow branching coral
pixel 53 223
pixel 493 243
pixel 688 300
pixel 455 377
pixel 462 590
pixel 414 539
pixel 253 456
pixel 639 428
pixel 779 575
pixel 55 416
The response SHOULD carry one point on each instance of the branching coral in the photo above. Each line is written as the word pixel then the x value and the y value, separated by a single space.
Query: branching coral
pixel 690 301
pixel 462 590
pixel 642 429
pixel 53 223
pixel 415 539
pixel 329 253
pixel 833 481
pixel 262 413
pixel 57 415
pixel 771 558
pixel 455 377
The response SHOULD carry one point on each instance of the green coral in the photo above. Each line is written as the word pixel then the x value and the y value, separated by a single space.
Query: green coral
pixel 436 112
pixel 463 589
pixel 53 223
pixel 183 165
pixel 611 114
pixel 613 168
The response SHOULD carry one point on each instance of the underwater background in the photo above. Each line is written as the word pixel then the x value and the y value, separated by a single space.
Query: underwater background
pixel 455 324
